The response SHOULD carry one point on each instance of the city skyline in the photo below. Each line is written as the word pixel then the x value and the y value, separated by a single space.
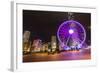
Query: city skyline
pixel 43 24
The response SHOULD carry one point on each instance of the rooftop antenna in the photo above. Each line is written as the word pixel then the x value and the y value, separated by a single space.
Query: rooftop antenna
pixel 70 15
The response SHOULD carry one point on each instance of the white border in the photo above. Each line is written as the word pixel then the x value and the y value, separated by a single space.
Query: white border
pixel 17 63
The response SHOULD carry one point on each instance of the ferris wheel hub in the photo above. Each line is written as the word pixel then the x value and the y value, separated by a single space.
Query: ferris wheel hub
pixel 71 31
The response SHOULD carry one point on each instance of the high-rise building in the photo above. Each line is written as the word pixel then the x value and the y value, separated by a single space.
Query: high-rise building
pixel 26 42
pixel 53 43
pixel 37 45
pixel 26 36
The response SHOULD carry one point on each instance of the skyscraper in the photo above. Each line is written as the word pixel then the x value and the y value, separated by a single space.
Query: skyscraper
pixel 26 42
pixel 26 36
pixel 37 45
pixel 53 43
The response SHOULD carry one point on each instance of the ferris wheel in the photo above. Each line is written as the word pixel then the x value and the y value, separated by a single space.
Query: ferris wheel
pixel 71 34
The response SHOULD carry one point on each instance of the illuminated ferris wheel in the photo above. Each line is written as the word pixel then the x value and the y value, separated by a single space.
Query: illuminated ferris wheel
pixel 71 34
